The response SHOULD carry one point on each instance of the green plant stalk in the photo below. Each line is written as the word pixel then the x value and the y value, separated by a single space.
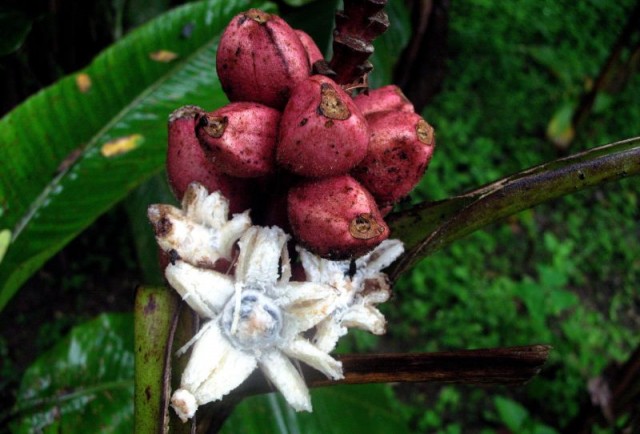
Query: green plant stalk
pixel 187 324
pixel 156 310
pixel 426 228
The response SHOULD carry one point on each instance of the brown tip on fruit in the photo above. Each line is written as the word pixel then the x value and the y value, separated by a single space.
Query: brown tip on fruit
pixel 365 227
pixel 258 16
pixel 424 132
pixel 213 125
pixel 173 256
pixel 331 105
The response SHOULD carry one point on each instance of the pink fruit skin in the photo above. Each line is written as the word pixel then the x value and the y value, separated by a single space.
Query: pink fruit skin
pixel 322 132
pixel 313 52
pixel 260 58
pixel 335 217
pixel 400 148
pixel 384 98
pixel 240 138
pixel 187 162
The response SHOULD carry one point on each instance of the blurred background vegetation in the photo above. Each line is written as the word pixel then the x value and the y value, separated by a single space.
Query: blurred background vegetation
pixel 501 83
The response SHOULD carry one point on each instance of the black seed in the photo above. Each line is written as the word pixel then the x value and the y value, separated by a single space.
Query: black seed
pixel 352 268
pixel 173 256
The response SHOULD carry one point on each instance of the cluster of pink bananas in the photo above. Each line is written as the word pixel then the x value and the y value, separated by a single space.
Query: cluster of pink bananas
pixel 295 147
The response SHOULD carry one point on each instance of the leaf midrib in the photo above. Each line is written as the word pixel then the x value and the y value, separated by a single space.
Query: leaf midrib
pixel 33 404
pixel 93 143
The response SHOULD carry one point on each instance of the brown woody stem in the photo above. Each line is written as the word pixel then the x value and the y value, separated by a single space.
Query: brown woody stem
pixel 500 366
pixel 505 366
pixel 357 26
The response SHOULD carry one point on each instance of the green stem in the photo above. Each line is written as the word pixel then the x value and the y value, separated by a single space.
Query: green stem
pixel 155 312
pixel 427 228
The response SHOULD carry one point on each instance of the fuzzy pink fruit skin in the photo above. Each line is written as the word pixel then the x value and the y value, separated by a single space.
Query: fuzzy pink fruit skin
pixel 384 98
pixel 313 52
pixel 322 132
pixel 400 148
pixel 240 138
pixel 260 58
pixel 335 217
pixel 187 162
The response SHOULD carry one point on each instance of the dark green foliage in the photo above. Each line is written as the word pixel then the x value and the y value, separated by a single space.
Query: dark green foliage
pixel 564 273
pixel 80 385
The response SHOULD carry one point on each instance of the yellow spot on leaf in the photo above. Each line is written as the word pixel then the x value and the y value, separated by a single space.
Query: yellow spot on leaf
pixel 163 56
pixel 121 145
pixel 83 82
pixel 560 129
pixel 5 240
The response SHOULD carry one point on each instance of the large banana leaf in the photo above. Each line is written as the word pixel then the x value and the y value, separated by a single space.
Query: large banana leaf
pixel 84 384
pixel 73 150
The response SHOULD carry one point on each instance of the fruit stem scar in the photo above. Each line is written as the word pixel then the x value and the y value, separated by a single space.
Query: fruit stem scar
pixel 258 16
pixel 424 132
pixel 331 105
pixel 365 227
pixel 214 125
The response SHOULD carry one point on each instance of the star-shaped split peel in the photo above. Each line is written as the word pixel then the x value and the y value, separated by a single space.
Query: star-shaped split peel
pixel 256 316
pixel 361 285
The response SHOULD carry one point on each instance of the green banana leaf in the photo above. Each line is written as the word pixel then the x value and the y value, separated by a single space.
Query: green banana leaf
pixel 83 384
pixel 72 151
